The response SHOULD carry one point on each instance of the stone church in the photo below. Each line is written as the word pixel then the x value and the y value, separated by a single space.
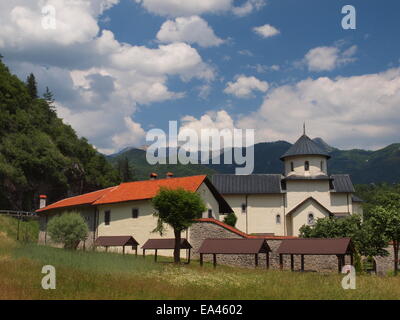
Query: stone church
pixel 279 204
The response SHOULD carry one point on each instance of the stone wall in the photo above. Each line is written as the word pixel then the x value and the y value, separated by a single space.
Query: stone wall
pixel 210 230
pixel 87 213
pixel 384 265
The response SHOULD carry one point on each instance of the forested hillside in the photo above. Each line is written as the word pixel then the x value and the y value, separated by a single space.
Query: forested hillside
pixel 132 165
pixel 39 154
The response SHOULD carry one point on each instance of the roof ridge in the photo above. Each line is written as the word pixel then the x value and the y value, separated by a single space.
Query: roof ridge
pixel 241 233
pixel 112 189
pixel 155 180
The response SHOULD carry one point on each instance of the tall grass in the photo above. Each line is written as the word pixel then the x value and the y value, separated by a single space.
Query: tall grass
pixel 99 262
pixel 101 275
pixel 28 228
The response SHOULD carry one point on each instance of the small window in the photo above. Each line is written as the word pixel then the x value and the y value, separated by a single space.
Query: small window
pixel 244 208
pixel 307 166
pixel 135 213
pixel 107 217
pixel 210 213
pixel 310 219
pixel 291 166
pixel 322 166
pixel 278 219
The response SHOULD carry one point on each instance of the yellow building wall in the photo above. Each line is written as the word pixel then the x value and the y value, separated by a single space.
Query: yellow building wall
pixel 298 164
pixel 262 209
pixel 122 223
pixel 357 208
pixel 235 201
pixel 209 200
pixel 300 216
pixel 261 212
pixel 341 202
pixel 299 190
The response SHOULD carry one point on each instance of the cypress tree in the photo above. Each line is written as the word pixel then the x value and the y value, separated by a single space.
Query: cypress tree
pixel 31 84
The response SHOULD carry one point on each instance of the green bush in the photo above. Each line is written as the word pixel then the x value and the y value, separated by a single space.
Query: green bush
pixel 68 229
pixel 230 219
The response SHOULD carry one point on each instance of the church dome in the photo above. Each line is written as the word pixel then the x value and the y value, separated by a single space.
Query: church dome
pixel 304 146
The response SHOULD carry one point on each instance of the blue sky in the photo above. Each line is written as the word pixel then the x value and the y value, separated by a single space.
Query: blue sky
pixel 118 68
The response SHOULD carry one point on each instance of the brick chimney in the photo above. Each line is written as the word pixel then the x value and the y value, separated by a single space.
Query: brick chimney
pixel 169 175
pixel 153 176
pixel 42 202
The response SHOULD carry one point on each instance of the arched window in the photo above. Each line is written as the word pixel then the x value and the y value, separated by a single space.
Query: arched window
pixel 278 219
pixel 306 166
pixel 291 166
pixel 310 219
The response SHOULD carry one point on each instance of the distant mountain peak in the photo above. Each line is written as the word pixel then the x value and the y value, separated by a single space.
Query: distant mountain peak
pixel 322 144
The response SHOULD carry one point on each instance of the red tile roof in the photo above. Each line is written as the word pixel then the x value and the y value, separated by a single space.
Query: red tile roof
pixel 130 191
pixel 141 190
pixel 84 199
pixel 241 233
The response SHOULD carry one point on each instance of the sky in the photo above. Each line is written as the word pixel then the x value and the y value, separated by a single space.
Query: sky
pixel 118 68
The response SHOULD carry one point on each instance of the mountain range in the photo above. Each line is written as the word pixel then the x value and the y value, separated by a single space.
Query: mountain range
pixel 364 166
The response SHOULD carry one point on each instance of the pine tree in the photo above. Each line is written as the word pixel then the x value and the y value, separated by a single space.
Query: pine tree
pixel 31 84
pixel 49 97
pixel 125 170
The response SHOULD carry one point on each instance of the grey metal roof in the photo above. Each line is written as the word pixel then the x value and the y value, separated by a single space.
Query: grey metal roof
pixel 342 183
pixel 247 184
pixel 304 146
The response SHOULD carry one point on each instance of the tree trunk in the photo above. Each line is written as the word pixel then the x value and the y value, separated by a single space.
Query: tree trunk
pixel 396 256
pixel 177 249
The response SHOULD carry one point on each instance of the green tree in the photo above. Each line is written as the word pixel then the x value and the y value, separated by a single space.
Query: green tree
pixel 385 219
pixel 230 219
pixel 49 97
pixel 68 229
pixel 125 170
pixel 39 154
pixel 31 84
pixel 368 241
pixel 177 208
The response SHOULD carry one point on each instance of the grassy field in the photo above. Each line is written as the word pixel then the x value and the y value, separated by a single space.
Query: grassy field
pixel 95 275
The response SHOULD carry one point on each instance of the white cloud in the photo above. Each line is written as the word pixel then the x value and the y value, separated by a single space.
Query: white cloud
pixel 328 58
pixel 204 91
pixel 246 52
pixel 188 29
pixel 133 135
pixel 348 112
pixel 358 111
pixel 243 86
pixel 97 81
pixel 262 68
pixel 266 31
pixel 219 120
pixel 178 8
pixel 248 7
